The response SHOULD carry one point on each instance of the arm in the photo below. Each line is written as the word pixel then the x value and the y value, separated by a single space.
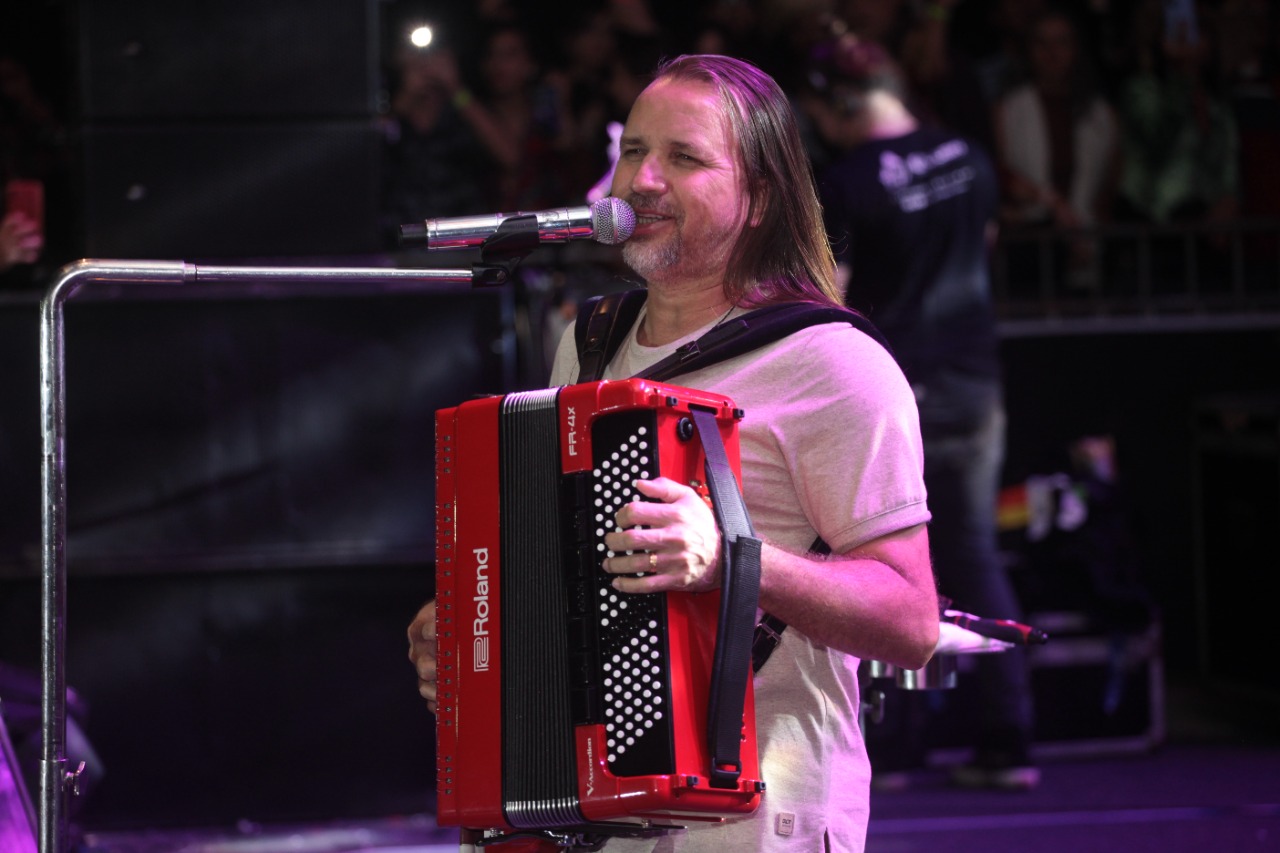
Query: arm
pixel 877 601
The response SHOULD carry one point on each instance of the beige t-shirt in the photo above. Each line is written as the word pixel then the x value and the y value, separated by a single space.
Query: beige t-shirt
pixel 830 446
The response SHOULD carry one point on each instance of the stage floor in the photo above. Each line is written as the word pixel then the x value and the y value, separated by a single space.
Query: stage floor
pixel 1214 785
pixel 1180 797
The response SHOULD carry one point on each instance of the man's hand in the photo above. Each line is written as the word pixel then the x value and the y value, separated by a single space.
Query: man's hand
pixel 20 240
pixel 422 652
pixel 676 541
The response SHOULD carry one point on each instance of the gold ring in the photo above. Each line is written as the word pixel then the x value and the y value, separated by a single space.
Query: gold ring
pixel 653 560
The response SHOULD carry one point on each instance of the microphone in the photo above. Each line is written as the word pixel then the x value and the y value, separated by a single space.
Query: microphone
pixel 997 629
pixel 608 220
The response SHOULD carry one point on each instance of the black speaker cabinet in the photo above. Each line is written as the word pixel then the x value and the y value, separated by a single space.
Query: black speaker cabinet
pixel 195 191
pixel 228 58
pixel 1237 467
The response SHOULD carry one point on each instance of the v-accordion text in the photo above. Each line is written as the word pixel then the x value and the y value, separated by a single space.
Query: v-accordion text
pixel 561 701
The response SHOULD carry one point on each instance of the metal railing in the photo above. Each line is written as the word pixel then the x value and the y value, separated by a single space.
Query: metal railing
pixel 1124 278
pixel 144 280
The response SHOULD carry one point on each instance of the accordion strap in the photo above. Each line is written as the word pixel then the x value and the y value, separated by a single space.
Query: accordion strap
pixel 602 325
pixel 739 597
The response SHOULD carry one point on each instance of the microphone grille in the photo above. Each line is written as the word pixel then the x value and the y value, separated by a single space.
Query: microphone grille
pixel 612 221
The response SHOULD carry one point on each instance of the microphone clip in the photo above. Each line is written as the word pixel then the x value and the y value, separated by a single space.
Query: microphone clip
pixel 504 249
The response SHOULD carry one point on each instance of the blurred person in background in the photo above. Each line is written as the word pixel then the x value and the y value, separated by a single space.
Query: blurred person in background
pixel 943 83
pixel 35 179
pixel 1057 142
pixel 580 78
pixel 434 165
pixel 524 128
pixel 911 210
pixel 1180 142
pixel 1181 149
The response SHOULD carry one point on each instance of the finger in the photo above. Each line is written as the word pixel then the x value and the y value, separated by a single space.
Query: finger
pixel 426 667
pixel 638 539
pixel 632 585
pixel 633 563
pixel 646 514
pixel 422 636
pixel 662 488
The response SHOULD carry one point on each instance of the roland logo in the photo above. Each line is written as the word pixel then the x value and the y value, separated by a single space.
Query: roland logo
pixel 571 420
pixel 480 627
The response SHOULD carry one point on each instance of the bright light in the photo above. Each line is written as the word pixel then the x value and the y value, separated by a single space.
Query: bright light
pixel 421 36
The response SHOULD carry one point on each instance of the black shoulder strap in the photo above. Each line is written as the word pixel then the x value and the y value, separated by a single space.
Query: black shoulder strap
pixel 602 325
pixel 604 321
pixel 752 331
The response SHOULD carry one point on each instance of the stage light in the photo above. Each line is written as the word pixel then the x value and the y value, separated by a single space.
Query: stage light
pixel 421 36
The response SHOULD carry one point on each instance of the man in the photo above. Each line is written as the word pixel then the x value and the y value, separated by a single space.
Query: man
pixel 911 210
pixel 728 218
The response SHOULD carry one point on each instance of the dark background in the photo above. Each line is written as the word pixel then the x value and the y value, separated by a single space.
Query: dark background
pixel 250 481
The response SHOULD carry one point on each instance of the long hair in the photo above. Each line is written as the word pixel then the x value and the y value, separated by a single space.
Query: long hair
pixel 787 256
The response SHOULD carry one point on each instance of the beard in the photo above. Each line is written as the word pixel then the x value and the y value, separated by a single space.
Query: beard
pixel 678 253
pixel 649 259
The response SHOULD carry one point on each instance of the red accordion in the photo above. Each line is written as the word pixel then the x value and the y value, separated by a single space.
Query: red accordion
pixel 562 702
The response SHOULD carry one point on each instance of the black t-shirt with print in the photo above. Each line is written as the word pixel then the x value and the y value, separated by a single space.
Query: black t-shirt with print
pixel 909 215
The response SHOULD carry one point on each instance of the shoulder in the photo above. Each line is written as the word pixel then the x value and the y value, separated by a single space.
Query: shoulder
pixel 829 361
pixel 842 348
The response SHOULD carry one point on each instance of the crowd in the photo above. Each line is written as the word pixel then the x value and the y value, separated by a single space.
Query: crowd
pixel 1094 111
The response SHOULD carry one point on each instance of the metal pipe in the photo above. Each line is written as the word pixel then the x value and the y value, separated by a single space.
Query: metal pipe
pixel 117 279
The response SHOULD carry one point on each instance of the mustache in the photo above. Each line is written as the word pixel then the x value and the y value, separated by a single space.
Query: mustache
pixel 650 204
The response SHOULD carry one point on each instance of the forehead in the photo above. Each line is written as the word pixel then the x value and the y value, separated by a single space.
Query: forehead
pixel 685 112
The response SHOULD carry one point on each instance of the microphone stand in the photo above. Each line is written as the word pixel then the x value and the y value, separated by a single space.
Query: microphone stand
pixel 500 254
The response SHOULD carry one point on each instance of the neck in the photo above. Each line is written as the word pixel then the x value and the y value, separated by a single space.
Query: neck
pixel 887 117
pixel 671 314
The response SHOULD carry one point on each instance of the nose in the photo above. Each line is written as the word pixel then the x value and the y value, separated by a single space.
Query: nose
pixel 648 178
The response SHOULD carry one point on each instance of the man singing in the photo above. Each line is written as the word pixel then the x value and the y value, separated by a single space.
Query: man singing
pixel 728 220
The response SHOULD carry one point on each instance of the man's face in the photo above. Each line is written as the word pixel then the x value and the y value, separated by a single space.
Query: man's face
pixel 679 169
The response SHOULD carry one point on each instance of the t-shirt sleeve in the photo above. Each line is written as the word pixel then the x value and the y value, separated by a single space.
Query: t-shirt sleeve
pixel 848 431
pixel 564 368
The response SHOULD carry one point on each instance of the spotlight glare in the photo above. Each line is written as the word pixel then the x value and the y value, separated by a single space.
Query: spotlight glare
pixel 421 36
